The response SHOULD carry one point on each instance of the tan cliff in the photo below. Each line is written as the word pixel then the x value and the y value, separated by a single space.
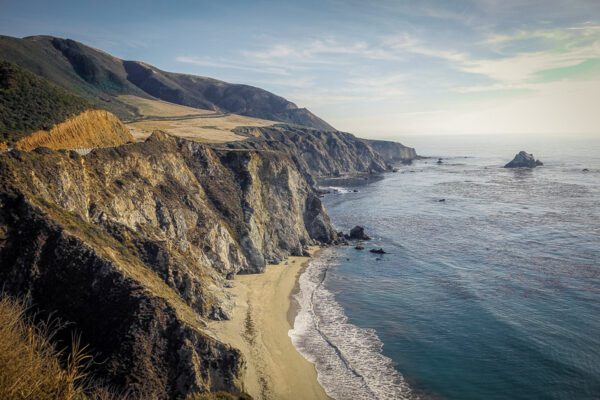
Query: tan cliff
pixel 133 246
pixel 89 129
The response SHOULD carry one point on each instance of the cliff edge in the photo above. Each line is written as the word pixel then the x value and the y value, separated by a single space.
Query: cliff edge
pixel 133 244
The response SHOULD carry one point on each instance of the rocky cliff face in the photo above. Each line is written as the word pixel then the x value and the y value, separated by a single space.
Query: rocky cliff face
pixel 393 151
pixel 89 129
pixel 133 245
pixel 324 153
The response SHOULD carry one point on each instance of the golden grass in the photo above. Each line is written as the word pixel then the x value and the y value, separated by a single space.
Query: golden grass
pixel 187 122
pixel 91 128
pixel 3 146
pixel 29 362
pixel 159 108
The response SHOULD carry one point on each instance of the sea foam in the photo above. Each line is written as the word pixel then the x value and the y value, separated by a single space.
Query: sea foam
pixel 348 359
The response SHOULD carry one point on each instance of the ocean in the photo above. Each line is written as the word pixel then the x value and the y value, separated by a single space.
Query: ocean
pixel 493 293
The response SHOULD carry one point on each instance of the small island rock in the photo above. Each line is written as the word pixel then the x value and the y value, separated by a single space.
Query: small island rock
pixel 524 160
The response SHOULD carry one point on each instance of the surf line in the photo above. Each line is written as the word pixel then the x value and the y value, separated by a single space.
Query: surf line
pixel 326 338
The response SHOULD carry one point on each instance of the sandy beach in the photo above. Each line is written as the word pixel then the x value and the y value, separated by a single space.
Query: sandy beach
pixel 262 317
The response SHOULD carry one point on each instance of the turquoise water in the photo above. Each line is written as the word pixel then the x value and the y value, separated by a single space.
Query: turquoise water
pixel 492 294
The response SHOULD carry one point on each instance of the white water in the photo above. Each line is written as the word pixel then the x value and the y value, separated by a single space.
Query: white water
pixel 348 359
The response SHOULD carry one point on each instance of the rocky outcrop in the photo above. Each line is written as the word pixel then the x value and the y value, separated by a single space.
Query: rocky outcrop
pixel 318 153
pixel 393 151
pixel 357 233
pixel 89 129
pixel 523 160
pixel 133 245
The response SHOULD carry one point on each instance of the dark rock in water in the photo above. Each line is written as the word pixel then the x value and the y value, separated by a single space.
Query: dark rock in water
pixel 378 259
pixel 357 233
pixel 523 160
pixel 442 200
pixel 439 161
pixel 378 251
pixel 355 191
pixel 585 170
pixel 359 247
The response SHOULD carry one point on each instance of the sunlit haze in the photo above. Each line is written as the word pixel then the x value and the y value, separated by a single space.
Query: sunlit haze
pixel 376 68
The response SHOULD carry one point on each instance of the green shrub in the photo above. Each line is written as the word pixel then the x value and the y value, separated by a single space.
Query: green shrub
pixel 29 103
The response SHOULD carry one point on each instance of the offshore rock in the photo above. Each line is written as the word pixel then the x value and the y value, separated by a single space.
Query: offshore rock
pixel 358 233
pixel 523 160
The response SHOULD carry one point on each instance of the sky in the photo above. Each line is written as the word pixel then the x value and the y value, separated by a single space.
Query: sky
pixel 375 68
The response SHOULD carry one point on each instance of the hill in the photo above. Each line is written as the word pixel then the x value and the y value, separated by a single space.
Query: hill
pixel 101 78
pixel 29 103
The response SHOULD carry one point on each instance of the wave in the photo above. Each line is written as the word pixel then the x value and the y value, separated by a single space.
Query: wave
pixel 348 359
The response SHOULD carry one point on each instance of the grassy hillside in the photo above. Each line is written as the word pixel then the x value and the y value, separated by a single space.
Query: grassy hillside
pixel 187 122
pixel 29 103
pixel 101 78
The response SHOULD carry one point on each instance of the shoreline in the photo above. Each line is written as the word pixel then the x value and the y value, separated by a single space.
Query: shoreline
pixel 264 313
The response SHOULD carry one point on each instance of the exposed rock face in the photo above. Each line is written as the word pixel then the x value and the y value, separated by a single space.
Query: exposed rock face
pixel 523 160
pixel 133 245
pixel 358 233
pixel 90 129
pixel 319 153
pixel 393 151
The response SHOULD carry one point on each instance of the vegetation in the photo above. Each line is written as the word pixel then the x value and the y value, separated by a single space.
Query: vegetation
pixel 29 103
pixel 31 367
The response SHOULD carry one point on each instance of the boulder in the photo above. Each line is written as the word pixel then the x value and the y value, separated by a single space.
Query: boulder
pixel 378 251
pixel 523 160
pixel 357 233
pixel 359 247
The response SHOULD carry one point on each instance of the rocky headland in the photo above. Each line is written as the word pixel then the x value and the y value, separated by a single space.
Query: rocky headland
pixel 133 245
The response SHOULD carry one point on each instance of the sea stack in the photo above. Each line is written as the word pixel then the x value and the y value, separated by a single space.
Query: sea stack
pixel 357 233
pixel 524 160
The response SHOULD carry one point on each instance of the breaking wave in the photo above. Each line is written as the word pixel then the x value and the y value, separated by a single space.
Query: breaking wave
pixel 348 359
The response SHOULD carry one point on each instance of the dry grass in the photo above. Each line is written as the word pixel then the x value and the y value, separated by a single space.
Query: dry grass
pixel 187 122
pixel 159 108
pixel 30 366
pixel 91 128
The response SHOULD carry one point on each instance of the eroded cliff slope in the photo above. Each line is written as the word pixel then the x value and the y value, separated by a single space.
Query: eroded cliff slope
pixel 324 153
pixel 133 245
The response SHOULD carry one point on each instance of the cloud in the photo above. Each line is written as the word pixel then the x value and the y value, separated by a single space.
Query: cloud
pixel 209 62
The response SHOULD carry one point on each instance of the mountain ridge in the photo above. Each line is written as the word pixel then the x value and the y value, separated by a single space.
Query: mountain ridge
pixel 100 77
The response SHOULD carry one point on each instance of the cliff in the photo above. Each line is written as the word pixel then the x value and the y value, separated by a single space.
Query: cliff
pixel 325 153
pixel 89 129
pixel 133 245
pixel 393 151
